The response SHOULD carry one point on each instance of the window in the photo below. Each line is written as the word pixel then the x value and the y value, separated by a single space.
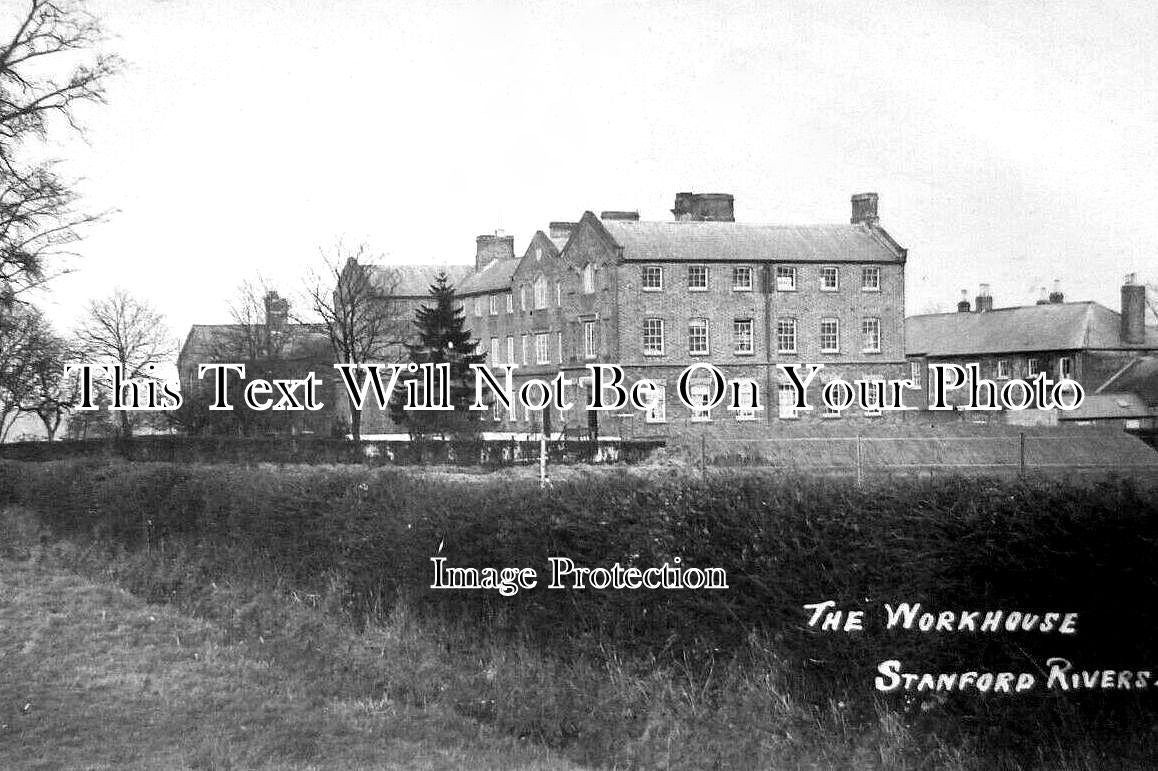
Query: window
pixel 510 302
pixel 494 350
pixel 510 349
pixel 496 411
pixel 589 341
pixel 1002 369
pixel 698 278
pixel 785 279
pixel 870 279
pixel 494 304
pixel 829 336
pixel 742 279
pixel 542 348
pixel 522 297
pixel 742 341
pixel 701 394
pixel 829 279
pixel 523 341
pixel 652 278
pixel 653 336
pixel 538 253
pixel 872 407
pixel 589 279
pixel 871 335
pixel 540 292
pixel 786 336
pixel 828 411
pixel 1031 367
pixel 558 294
pixel 559 346
pixel 1065 367
pixel 915 373
pixel 698 336
pixel 786 400
pixel 479 304
pixel 657 409
pixel 747 391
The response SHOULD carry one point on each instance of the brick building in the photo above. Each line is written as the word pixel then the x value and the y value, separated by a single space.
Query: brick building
pixel 656 297
pixel 1085 341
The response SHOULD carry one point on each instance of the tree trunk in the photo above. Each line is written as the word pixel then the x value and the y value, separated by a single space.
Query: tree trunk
pixel 355 423
pixel 126 427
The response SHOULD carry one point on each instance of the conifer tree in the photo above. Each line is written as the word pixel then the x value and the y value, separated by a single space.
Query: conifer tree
pixel 443 338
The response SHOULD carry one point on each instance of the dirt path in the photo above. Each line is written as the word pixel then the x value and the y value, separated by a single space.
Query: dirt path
pixel 92 677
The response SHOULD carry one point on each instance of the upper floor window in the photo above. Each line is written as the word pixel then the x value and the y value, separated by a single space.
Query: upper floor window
pixel 558 294
pixel 494 304
pixel 871 335
pixel 742 278
pixel 786 336
pixel 510 349
pixel 652 278
pixel 542 348
pixel 523 344
pixel 494 350
pixel 785 278
pixel 915 373
pixel 479 305
pixel 742 336
pixel 559 346
pixel 522 297
pixel 829 279
pixel 698 336
pixel 590 341
pixel 1002 369
pixel 698 277
pixel 510 302
pixel 1031 369
pixel 829 336
pixel 540 292
pixel 1065 367
pixel 653 336
pixel 589 279
pixel 870 279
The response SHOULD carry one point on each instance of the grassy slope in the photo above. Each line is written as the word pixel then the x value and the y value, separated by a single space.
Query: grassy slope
pixel 93 677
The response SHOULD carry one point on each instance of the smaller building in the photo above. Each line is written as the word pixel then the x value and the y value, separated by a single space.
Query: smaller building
pixel 1084 341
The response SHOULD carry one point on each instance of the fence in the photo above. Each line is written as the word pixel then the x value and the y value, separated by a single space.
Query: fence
pixel 1009 454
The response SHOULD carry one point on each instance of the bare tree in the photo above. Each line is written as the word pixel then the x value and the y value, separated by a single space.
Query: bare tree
pixel 125 331
pixel 21 335
pixel 48 67
pixel 363 317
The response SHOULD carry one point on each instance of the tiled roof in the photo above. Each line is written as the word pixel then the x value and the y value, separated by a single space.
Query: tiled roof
pixel 495 276
pixel 1050 327
pixel 1108 405
pixel 414 280
pixel 738 241
pixel 206 341
pixel 1139 377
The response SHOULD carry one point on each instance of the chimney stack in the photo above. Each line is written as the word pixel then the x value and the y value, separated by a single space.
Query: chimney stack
pixel 276 312
pixel 1056 295
pixel 489 248
pixel 704 207
pixel 984 302
pixel 963 303
pixel 1043 297
pixel 864 209
pixel 1133 311
pixel 561 229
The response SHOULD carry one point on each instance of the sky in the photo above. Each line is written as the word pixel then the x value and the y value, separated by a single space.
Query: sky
pixel 1010 143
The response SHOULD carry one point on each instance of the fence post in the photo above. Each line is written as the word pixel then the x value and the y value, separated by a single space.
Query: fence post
pixel 543 458
pixel 1021 461
pixel 859 463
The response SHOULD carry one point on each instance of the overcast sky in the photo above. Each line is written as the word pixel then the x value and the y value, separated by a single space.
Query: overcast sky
pixel 1012 143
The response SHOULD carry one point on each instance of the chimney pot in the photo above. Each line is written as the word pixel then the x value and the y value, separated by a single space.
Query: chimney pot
pixel 1056 295
pixel 864 209
pixel 963 303
pixel 1043 297
pixel 984 299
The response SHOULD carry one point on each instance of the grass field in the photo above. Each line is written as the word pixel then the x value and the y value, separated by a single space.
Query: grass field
pixel 93 677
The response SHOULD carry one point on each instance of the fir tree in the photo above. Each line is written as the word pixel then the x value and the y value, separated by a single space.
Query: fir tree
pixel 442 339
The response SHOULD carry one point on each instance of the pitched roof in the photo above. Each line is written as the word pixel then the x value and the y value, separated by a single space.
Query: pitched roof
pixel 206 341
pixel 739 241
pixel 414 280
pixel 1139 377
pixel 1108 405
pixel 495 276
pixel 1023 329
